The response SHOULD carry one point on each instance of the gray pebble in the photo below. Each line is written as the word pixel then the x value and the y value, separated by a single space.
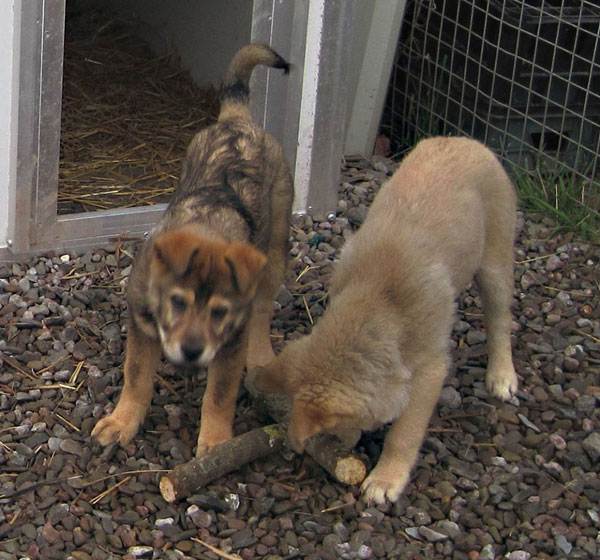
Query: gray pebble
pixel 586 404
pixel 475 337
pixel 24 285
pixel 592 446
pixel 364 552
pixel 419 516
pixel 450 397
pixel 140 551
pixel 57 513
pixel 487 553
pixel 36 439
pixel 128 517
pixel 62 375
pixel 200 518
pixel 357 215
pixel 71 446
pixel 431 535
pixel 519 555
pixel 340 529
pixel 54 443
pixel 263 505
pixel 243 538
pixel 563 544
pixel 413 532
pixel 29 530
pixel 448 528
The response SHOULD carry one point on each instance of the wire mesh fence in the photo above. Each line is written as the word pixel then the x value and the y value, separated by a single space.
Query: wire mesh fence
pixel 522 76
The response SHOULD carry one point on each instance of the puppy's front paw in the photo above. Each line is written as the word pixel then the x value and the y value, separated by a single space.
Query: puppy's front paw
pixel 385 483
pixel 502 383
pixel 206 444
pixel 115 427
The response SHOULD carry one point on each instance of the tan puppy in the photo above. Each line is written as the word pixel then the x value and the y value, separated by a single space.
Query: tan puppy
pixel 380 352
pixel 202 288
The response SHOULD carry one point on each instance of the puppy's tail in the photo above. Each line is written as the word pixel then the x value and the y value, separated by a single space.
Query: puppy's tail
pixel 235 94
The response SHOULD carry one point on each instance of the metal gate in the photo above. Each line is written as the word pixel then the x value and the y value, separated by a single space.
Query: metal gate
pixel 522 76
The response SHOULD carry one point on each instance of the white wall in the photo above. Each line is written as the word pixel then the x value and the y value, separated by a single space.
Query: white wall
pixel 205 33
pixel 377 27
pixel 9 95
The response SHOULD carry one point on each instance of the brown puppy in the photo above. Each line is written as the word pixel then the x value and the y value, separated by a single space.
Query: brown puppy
pixel 203 286
pixel 380 352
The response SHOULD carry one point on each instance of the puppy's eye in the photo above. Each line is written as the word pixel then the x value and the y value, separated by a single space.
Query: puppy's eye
pixel 218 312
pixel 178 302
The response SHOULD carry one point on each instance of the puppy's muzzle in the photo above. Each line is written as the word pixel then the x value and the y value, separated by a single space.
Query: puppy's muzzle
pixel 296 440
pixel 192 351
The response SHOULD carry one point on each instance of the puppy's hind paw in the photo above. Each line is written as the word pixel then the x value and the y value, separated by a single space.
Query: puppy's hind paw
pixel 502 384
pixel 380 486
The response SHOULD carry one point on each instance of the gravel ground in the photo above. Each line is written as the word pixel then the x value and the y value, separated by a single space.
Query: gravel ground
pixel 517 480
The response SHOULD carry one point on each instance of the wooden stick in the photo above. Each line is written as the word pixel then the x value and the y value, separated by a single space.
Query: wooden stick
pixel 216 550
pixel 336 459
pixel 325 449
pixel 187 478
pixel 96 499
pixel 339 506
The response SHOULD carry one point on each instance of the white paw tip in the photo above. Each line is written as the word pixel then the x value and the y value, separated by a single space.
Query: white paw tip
pixel 378 491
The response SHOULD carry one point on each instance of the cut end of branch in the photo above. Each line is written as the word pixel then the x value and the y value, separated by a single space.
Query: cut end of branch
pixel 350 470
pixel 167 489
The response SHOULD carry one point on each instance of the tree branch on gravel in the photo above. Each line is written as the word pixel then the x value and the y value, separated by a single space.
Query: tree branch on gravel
pixel 187 478
pixel 327 450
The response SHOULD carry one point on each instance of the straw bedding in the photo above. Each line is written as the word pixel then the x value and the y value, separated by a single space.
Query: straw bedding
pixel 127 116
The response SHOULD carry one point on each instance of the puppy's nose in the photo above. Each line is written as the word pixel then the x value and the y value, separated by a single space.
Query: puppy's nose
pixel 192 351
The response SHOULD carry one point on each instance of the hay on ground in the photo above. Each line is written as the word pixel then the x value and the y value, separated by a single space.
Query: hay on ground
pixel 127 116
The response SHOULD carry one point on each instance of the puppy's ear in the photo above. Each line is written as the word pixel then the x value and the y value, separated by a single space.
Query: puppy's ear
pixel 270 378
pixel 176 252
pixel 246 264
